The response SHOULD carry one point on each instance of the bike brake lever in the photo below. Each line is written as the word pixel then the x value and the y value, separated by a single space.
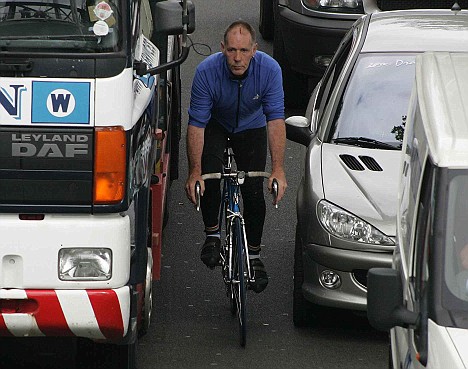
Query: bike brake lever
pixel 274 192
pixel 197 195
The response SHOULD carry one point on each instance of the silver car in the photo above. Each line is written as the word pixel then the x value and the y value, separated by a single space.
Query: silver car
pixel 353 131
pixel 306 33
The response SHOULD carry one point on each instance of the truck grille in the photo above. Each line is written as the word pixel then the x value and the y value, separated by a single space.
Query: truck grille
pixel 46 166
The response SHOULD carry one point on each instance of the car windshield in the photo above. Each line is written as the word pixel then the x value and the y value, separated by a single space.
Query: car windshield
pixel 456 242
pixel 73 26
pixel 372 111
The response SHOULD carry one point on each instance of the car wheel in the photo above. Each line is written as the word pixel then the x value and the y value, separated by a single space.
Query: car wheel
pixel 301 307
pixel 295 85
pixel 266 23
pixel 390 358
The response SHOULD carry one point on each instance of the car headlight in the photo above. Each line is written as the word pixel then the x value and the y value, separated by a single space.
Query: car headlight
pixel 342 224
pixel 344 4
pixel 93 264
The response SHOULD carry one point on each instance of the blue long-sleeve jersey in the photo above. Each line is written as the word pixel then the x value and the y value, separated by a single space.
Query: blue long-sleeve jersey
pixel 237 104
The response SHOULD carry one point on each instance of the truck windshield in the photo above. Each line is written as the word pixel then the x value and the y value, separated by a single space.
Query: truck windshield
pixel 456 241
pixel 60 26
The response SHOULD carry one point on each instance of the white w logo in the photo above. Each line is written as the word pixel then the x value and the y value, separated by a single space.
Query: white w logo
pixel 60 103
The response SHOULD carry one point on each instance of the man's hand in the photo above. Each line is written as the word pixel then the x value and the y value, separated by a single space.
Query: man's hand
pixel 190 187
pixel 282 184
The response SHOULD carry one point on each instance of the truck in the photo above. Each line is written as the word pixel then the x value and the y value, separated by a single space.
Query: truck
pixel 90 123
pixel 422 300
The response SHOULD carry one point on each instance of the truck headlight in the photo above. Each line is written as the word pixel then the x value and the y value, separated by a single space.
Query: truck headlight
pixel 93 264
pixel 342 224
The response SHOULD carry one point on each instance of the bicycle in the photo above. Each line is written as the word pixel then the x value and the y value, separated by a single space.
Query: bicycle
pixel 235 264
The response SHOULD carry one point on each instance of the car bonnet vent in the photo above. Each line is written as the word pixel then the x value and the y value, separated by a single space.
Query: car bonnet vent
pixel 351 162
pixel 371 164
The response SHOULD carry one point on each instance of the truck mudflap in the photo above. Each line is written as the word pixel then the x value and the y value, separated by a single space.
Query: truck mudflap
pixel 94 314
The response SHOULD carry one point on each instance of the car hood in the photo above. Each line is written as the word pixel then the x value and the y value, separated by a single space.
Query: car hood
pixel 364 182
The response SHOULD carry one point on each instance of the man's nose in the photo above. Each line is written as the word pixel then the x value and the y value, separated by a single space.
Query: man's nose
pixel 238 55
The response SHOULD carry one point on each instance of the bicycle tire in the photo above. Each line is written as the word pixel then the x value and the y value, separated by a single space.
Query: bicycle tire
pixel 227 259
pixel 240 283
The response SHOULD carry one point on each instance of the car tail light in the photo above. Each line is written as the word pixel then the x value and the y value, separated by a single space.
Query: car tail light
pixel 109 165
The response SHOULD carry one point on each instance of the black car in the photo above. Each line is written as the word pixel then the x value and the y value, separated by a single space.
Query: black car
pixel 306 34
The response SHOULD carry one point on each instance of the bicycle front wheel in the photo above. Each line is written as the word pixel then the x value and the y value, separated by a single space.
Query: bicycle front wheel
pixel 239 283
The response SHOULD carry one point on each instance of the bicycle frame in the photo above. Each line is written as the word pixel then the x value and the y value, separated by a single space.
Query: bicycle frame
pixel 237 273
pixel 230 210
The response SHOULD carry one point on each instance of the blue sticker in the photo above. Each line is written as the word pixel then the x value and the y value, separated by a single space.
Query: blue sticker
pixel 60 102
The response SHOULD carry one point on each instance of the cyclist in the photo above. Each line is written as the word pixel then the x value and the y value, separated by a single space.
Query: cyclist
pixel 237 94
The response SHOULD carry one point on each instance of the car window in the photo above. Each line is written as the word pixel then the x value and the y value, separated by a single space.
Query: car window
pixel 456 252
pixel 332 73
pixel 375 101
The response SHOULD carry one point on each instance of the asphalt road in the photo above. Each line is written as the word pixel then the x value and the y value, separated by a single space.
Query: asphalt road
pixel 192 326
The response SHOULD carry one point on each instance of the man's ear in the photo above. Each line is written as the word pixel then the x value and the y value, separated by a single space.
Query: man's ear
pixel 255 48
pixel 222 47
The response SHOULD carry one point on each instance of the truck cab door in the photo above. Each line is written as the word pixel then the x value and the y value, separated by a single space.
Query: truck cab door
pixel 411 343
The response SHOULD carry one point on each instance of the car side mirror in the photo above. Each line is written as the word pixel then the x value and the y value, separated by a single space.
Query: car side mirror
pixel 385 308
pixel 298 130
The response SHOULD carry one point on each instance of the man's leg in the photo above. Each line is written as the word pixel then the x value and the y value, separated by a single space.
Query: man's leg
pixel 212 161
pixel 250 149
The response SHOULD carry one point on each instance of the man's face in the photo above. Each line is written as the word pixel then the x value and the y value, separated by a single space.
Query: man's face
pixel 464 257
pixel 238 50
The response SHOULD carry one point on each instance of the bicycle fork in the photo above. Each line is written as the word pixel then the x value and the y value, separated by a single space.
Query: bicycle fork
pixel 248 271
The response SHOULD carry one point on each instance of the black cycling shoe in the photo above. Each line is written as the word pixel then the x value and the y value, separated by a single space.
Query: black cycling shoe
pixel 210 252
pixel 260 275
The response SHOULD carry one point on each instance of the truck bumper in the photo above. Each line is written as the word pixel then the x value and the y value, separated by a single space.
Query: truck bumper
pixel 94 314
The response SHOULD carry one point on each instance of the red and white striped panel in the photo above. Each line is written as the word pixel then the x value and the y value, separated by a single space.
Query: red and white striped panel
pixel 95 314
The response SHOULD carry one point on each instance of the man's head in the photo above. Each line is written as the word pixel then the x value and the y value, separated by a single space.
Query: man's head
pixel 239 46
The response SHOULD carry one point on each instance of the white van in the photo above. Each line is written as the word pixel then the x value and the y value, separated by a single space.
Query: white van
pixel 423 299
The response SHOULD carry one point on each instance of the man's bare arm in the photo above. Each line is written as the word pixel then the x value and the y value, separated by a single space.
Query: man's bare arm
pixel 195 142
pixel 277 144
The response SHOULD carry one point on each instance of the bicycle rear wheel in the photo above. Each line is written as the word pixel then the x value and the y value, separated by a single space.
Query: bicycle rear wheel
pixel 239 283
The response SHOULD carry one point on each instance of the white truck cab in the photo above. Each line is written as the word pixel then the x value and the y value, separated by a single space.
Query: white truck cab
pixel 423 298
pixel 90 120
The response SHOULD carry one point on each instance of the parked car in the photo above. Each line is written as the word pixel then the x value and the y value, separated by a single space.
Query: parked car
pixel 353 131
pixel 306 34
pixel 425 303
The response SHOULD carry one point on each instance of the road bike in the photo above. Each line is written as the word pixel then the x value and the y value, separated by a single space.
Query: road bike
pixel 235 263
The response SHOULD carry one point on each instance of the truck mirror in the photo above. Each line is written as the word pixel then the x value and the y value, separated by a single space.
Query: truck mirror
pixel 168 17
pixel 385 308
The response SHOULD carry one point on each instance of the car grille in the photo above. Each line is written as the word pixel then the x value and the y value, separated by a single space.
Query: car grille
pixel 360 275
pixel 419 4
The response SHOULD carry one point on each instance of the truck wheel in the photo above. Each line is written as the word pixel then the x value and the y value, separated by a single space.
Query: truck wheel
pixel 148 301
pixel 91 354
pixel 126 355
pixel 266 22
pixel 295 85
